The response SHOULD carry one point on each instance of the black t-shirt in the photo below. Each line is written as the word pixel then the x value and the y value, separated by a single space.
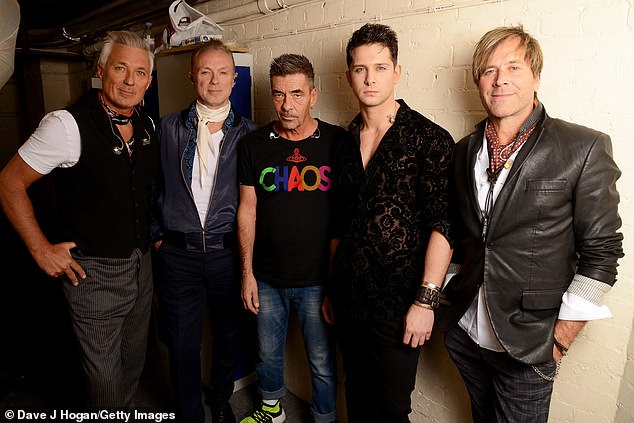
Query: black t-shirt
pixel 292 181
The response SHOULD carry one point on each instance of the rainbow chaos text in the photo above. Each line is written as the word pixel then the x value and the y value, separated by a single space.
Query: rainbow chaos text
pixel 289 178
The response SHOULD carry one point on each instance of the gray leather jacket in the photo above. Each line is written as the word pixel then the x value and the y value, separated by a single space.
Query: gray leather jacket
pixel 556 216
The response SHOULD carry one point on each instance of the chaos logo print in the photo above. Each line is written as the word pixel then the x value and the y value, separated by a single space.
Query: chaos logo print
pixel 296 177
pixel 296 157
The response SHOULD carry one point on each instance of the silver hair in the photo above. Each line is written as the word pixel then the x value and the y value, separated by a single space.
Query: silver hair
pixel 126 38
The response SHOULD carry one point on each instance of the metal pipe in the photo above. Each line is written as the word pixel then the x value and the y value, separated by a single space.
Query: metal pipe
pixel 254 8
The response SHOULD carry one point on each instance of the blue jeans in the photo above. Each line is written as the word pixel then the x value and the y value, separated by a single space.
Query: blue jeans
pixel 501 388
pixel 272 322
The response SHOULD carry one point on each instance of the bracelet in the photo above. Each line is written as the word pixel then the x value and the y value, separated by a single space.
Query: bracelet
pixel 563 350
pixel 432 297
pixel 422 305
pixel 430 285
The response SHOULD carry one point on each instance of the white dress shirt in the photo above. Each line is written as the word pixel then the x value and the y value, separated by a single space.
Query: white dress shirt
pixel 202 194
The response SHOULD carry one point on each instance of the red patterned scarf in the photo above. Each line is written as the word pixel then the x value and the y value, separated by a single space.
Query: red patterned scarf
pixel 499 154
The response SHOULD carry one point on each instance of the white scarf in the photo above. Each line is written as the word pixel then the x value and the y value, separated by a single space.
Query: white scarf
pixel 207 150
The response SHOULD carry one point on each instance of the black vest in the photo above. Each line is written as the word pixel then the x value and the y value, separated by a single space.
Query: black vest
pixel 104 199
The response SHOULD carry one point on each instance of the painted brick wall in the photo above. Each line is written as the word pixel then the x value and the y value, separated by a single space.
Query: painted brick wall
pixel 587 79
pixel 63 83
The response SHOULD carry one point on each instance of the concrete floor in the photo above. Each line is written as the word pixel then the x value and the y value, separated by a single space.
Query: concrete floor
pixel 58 388
pixel 154 392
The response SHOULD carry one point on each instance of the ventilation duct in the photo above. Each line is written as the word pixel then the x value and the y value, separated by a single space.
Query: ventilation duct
pixel 253 8
pixel 10 12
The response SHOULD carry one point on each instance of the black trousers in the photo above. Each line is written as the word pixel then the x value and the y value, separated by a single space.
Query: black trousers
pixel 380 371
pixel 501 388
pixel 187 282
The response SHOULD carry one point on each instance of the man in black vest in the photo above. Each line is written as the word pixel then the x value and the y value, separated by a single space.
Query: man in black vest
pixel 103 155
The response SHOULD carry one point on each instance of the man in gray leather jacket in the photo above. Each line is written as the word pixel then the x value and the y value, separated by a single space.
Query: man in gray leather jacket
pixel 194 233
pixel 538 202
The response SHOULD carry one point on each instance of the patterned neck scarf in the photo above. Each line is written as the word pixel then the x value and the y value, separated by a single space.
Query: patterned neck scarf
pixel 499 154
pixel 115 117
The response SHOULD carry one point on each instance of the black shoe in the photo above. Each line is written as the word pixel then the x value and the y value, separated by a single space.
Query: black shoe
pixel 222 413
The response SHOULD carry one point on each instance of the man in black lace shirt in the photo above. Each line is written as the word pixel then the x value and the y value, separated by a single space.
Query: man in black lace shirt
pixel 393 246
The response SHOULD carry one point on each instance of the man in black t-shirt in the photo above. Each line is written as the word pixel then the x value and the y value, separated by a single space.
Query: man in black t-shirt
pixel 283 219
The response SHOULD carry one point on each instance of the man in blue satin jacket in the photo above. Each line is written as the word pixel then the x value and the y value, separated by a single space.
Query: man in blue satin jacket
pixel 196 198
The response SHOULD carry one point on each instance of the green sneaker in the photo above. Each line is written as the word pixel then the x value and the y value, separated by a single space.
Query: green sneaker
pixel 266 414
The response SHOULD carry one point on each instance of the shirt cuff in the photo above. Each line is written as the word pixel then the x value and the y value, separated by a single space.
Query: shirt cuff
pixel 574 307
pixel 453 270
pixel 589 289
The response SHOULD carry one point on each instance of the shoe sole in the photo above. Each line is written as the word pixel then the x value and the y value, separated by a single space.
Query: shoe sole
pixel 280 418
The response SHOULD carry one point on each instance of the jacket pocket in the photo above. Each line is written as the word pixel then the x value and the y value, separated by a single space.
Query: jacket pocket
pixel 546 185
pixel 543 299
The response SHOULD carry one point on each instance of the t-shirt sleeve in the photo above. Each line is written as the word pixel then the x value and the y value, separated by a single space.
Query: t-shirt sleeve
pixel 55 143
pixel 245 164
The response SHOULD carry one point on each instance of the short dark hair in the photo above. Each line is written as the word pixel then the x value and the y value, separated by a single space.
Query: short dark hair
pixel 291 64
pixel 371 33
pixel 212 45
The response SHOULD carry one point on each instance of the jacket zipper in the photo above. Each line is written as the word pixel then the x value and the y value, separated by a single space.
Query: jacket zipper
pixel 213 190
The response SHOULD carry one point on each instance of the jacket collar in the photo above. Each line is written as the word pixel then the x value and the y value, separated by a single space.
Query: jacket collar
pixel 538 116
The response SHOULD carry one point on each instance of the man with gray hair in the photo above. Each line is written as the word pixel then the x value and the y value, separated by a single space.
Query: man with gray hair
pixel 539 247
pixel 103 156
pixel 285 181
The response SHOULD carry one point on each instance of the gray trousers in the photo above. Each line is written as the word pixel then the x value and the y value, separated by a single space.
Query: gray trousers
pixel 110 311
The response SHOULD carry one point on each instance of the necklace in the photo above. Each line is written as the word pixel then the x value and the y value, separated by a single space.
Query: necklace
pixel 275 135
pixel 499 156
pixel 392 117
pixel 115 116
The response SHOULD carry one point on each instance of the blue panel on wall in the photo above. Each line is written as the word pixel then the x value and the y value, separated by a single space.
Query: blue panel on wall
pixel 150 101
pixel 241 94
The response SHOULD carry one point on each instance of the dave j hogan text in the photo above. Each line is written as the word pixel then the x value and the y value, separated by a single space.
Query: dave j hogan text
pixel 79 417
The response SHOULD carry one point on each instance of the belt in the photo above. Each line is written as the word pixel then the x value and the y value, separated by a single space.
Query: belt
pixel 199 241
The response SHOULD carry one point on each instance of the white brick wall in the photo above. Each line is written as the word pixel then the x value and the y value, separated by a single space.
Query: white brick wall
pixel 587 78
pixel 62 83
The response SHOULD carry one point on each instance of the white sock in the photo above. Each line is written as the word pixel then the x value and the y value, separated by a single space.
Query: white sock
pixel 270 402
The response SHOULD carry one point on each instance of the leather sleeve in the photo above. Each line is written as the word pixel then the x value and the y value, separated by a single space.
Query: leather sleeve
pixel 596 218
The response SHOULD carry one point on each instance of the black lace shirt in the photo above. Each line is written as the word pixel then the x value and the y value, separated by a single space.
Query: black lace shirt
pixel 385 214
